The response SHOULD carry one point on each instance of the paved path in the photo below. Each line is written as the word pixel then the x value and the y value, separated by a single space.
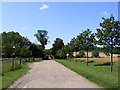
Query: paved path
pixel 50 74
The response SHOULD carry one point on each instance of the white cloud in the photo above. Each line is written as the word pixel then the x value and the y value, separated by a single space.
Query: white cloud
pixel 44 6
pixel 106 13
pixel 48 46
pixel 24 28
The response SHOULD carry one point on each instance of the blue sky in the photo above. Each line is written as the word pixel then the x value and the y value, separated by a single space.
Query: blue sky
pixel 61 19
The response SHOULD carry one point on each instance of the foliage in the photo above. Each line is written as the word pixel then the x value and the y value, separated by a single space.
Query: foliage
pixel 61 54
pixel 81 54
pixel 37 50
pixel 86 40
pixel 46 57
pixel 25 52
pixel 58 44
pixel 42 37
pixel 109 35
pixel 74 45
pixel 95 53
pixel 116 50
pixel 12 42
pixel 70 55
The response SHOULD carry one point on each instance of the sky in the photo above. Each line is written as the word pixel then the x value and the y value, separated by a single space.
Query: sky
pixel 63 20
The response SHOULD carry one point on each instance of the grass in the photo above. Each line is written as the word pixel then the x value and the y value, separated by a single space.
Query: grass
pixel 95 73
pixel 7 66
pixel 9 77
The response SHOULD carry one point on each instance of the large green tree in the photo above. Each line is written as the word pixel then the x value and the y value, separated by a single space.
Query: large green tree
pixel 58 44
pixel 37 50
pixel 61 54
pixel 74 45
pixel 12 42
pixel 109 35
pixel 42 37
pixel 86 41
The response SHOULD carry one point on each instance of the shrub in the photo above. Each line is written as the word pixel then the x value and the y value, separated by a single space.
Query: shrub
pixel 95 53
pixel 70 55
pixel 46 57
pixel 61 54
pixel 81 54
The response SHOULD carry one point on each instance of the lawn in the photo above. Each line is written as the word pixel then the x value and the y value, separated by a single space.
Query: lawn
pixel 95 71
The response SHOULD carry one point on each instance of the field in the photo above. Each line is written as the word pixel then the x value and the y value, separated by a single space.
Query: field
pixel 95 71
pixel 102 55
pixel 115 60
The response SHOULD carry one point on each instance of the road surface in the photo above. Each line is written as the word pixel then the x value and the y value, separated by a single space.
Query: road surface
pixel 50 74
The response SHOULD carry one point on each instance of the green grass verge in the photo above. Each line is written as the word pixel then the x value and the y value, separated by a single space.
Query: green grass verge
pixel 9 77
pixel 95 73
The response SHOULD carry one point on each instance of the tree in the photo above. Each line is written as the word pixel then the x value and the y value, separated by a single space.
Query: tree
pixel 86 41
pixel 95 54
pixel 7 50
pixel 12 42
pixel 37 50
pixel 61 54
pixel 24 52
pixel 0 45
pixel 58 44
pixel 42 37
pixel 109 35
pixel 74 45
pixel 81 54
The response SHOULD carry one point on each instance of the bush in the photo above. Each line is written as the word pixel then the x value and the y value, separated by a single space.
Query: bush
pixel 61 54
pixel 70 55
pixel 95 54
pixel 81 54
pixel 46 57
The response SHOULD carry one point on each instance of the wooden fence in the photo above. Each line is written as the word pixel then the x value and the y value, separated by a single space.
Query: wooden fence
pixel 8 64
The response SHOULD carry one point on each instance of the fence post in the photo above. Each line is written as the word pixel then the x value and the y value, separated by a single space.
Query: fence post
pixel 2 59
pixel 12 63
pixel 20 60
pixel 33 59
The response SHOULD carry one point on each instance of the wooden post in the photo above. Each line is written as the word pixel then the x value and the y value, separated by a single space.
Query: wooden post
pixel 111 60
pixel 20 60
pixel 12 63
pixel 87 58
pixel 76 56
pixel 33 58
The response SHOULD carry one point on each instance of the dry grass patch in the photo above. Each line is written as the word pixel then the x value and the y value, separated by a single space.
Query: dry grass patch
pixel 100 59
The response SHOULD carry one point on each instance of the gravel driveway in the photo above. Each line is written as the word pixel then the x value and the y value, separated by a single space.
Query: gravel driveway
pixel 50 74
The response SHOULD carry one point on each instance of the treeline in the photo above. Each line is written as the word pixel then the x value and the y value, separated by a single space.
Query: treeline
pixel 15 45
pixel 108 36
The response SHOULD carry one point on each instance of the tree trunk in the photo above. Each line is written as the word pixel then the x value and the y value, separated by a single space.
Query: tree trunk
pixel 87 58
pixel 76 56
pixel 20 60
pixel 111 60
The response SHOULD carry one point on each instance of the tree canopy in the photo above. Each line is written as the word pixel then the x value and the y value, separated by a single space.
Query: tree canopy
pixel 58 44
pixel 42 37
pixel 109 35
pixel 13 43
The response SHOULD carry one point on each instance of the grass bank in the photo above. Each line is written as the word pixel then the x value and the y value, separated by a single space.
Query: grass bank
pixel 9 77
pixel 96 72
